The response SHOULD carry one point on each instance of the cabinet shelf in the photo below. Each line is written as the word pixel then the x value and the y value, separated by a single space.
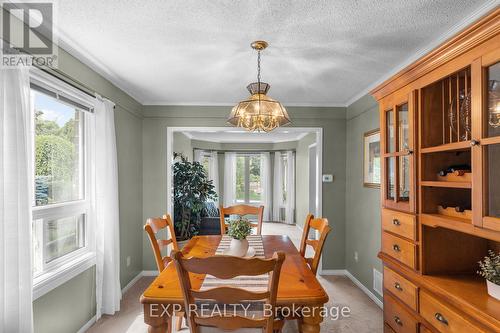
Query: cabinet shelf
pixel 462 145
pixel 446 184
pixel 458 224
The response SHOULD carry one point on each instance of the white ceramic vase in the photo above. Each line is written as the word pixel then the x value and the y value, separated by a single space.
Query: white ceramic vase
pixel 238 247
pixel 493 289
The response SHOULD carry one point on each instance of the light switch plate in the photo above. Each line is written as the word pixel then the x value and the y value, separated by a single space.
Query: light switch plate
pixel 327 178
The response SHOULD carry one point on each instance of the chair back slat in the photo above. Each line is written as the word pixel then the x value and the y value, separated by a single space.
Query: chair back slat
pixel 152 227
pixel 321 226
pixel 231 323
pixel 230 295
pixel 227 267
pixel 242 210
pixel 163 243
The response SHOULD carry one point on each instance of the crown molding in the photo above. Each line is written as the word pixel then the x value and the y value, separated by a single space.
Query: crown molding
pixel 476 29
pixel 170 103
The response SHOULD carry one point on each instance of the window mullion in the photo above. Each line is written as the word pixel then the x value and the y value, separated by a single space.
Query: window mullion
pixel 247 179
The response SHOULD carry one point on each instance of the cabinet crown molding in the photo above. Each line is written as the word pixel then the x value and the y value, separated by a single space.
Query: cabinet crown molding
pixel 476 34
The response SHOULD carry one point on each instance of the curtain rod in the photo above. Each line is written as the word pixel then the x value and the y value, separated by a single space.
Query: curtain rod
pixel 71 81
pixel 247 151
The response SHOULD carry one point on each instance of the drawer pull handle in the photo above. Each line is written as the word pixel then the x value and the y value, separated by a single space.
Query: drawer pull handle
pixel 398 321
pixel 398 286
pixel 396 222
pixel 396 248
pixel 439 317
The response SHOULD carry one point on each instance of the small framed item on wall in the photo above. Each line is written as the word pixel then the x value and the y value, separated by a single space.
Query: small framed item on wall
pixel 371 159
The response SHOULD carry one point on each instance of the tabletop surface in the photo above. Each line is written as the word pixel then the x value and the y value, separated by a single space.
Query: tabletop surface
pixel 297 285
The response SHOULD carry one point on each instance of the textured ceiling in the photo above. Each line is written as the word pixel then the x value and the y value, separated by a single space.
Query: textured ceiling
pixel 322 52
pixel 232 135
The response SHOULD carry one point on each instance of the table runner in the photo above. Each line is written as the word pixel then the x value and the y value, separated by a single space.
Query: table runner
pixel 251 283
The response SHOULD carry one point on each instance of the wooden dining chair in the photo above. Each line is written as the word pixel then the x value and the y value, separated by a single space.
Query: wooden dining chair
pixel 229 267
pixel 152 227
pixel 320 225
pixel 241 210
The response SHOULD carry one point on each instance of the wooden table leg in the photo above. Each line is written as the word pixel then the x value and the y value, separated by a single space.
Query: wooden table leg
pixel 310 323
pixel 163 328
pixel 157 319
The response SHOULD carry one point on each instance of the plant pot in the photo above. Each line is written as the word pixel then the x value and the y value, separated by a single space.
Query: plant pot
pixel 238 247
pixel 493 290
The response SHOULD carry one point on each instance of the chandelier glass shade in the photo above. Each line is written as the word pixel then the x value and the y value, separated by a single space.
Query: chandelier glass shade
pixel 259 112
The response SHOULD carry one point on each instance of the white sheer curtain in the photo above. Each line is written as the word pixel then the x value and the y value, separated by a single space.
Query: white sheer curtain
pixel 108 291
pixel 290 183
pixel 229 179
pixel 16 280
pixel 197 155
pixel 213 173
pixel 265 178
pixel 277 190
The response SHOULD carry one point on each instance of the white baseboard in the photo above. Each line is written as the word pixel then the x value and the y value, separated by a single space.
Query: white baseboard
pixel 348 274
pixel 341 272
pixel 132 282
pixel 85 327
pixel 149 273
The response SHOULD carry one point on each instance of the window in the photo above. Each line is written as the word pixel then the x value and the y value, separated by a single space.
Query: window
pixel 61 193
pixel 248 178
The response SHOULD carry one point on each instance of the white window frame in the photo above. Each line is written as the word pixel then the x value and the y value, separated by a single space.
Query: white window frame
pixel 246 180
pixel 61 270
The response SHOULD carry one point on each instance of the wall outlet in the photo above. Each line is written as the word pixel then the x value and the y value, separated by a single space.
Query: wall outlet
pixel 377 282
pixel 128 261
pixel 356 257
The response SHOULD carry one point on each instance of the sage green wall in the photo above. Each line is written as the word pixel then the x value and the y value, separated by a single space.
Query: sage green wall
pixel 73 304
pixel 362 203
pixel 67 308
pixel 302 179
pixel 182 144
pixel 332 120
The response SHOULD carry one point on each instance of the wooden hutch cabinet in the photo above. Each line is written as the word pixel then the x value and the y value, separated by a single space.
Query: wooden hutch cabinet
pixel 440 148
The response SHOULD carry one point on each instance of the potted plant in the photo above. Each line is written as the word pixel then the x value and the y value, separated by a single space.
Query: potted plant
pixel 239 229
pixel 490 270
pixel 192 189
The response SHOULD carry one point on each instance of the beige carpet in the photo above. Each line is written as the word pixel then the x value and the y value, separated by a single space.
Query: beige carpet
pixel 365 316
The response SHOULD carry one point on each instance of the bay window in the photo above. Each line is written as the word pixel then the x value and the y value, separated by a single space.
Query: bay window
pixel 249 189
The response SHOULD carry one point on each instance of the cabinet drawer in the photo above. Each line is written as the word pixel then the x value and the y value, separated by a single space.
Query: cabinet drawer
pixel 401 287
pixel 399 223
pixel 388 329
pixel 399 249
pixel 400 319
pixel 442 317
pixel 424 329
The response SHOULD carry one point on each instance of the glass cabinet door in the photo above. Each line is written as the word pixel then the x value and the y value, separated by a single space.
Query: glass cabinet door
pixel 397 122
pixel 488 147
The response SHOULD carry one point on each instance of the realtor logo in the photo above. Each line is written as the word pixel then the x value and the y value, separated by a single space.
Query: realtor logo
pixel 28 34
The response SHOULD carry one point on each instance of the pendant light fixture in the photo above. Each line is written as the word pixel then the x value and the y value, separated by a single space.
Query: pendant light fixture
pixel 259 112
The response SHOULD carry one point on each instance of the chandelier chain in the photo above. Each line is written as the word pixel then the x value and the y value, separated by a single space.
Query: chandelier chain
pixel 258 67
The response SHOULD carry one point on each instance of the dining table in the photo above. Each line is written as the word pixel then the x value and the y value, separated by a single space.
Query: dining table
pixel 298 287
